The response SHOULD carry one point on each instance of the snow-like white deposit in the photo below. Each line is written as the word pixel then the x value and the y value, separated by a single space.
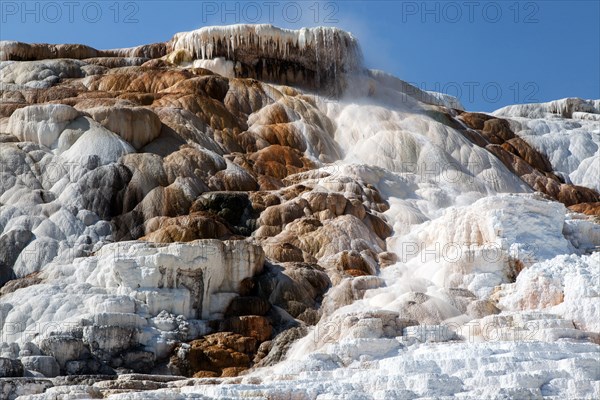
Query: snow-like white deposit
pixel 386 368
pixel 563 108
pixel 219 65
pixel 566 131
pixel 447 100
pixel 475 247
pixel 132 286
pixel 566 285
pixel 393 130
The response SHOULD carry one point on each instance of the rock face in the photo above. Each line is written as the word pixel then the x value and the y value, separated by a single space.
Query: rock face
pixel 202 271
pixel 41 124
pixel 10 368
pixel 316 58
pixel 563 285
pixel 220 354
pixel 127 306
pixel 587 208
pixel 524 160
pixel 298 288
pixel 549 127
pixel 45 365
pixel 310 57
pixel 18 51
pixel 187 213
pixel 136 125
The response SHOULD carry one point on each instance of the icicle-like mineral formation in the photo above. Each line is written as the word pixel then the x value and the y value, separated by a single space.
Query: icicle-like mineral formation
pixel 313 57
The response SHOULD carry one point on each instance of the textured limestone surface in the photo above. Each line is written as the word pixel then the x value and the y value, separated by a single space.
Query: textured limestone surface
pixel 247 211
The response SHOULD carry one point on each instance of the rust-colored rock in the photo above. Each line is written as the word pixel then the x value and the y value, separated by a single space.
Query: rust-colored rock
pixel 387 258
pixel 280 161
pixel 284 213
pixel 497 130
pixel 206 374
pixel 587 208
pixel 356 272
pixel 283 252
pixel 186 228
pixel 351 260
pixel 218 354
pixel 29 280
pixel 517 155
pixel 475 120
pixel 531 156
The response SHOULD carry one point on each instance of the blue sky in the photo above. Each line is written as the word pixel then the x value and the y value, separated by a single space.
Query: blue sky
pixel 489 53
